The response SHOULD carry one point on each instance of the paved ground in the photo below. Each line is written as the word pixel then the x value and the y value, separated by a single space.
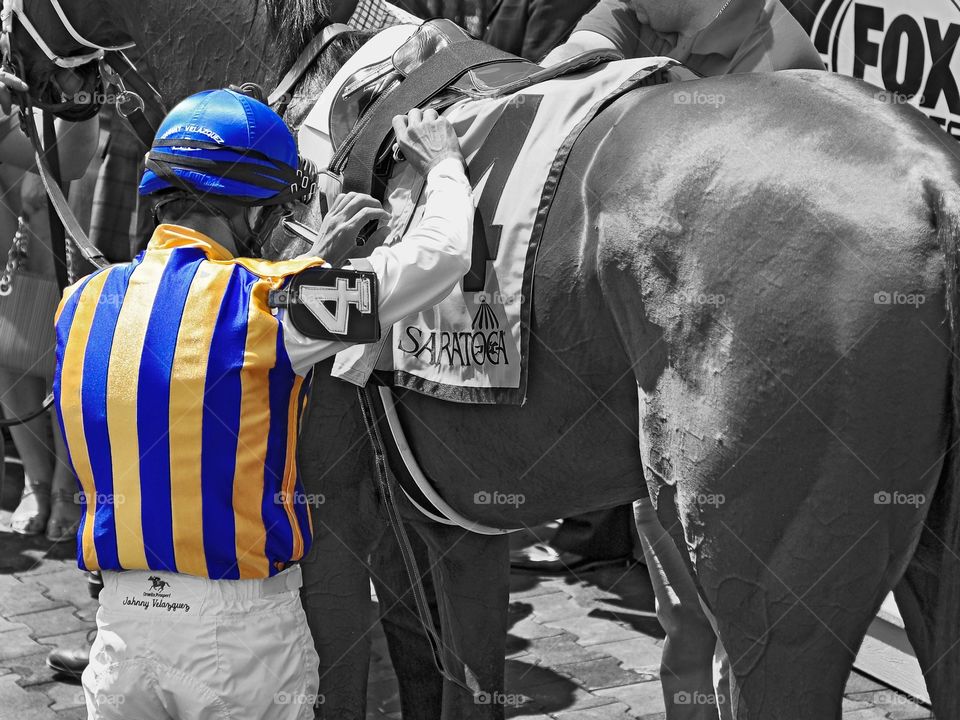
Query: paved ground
pixel 578 648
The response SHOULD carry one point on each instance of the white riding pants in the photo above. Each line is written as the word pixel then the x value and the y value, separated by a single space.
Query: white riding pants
pixel 179 647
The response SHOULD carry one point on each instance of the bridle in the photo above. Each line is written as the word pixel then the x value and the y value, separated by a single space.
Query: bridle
pixel 13 10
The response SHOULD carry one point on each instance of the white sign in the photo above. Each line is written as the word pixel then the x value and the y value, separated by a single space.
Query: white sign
pixel 906 47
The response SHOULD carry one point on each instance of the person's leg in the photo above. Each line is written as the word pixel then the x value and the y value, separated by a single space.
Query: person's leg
pixel 421 685
pixel 686 670
pixel 18 396
pixel 64 508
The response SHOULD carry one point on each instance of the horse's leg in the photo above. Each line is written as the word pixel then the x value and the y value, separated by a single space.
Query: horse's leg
pixel 686 667
pixel 472 576
pixel 421 686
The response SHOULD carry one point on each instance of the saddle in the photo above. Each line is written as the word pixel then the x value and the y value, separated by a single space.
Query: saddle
pixel 439 65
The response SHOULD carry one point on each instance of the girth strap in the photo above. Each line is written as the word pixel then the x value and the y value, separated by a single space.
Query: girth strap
pixel 362 148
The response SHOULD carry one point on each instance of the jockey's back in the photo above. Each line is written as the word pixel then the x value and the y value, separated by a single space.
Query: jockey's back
pixel 180 409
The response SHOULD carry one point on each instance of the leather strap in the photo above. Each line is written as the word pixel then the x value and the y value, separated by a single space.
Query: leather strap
pixel 58 201
pixel 147 113
pixel 58 236
pixel 362 148
pixel 280 96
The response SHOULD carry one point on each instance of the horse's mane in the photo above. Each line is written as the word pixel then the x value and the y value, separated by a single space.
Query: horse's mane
pixel 296 22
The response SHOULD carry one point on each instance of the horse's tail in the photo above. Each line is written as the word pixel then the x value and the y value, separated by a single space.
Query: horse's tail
pixel 929 593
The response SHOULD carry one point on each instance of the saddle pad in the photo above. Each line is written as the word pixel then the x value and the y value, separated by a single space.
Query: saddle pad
pixel 472 348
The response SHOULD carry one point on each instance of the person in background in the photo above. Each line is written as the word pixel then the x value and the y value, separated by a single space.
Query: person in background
pixel 532 28
pixel 711 37
pixel 48 504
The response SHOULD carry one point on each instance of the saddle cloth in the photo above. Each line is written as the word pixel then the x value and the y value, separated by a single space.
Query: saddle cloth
pixel 472 347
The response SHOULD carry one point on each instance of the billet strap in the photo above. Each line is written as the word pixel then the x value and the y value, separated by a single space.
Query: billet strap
pixel 361 149
pixel 313 50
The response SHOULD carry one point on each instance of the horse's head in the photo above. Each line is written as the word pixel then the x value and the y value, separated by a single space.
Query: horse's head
pixel 55 46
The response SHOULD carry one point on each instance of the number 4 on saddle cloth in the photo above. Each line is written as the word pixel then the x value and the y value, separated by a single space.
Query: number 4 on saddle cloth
pixel 517 124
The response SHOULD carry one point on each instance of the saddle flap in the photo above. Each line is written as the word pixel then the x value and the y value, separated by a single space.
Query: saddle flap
pixel 432 37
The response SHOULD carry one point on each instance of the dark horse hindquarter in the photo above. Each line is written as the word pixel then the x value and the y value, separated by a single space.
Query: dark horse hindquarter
pixel 795 291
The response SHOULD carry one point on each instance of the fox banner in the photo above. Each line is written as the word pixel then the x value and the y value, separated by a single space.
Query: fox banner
pixel 907 48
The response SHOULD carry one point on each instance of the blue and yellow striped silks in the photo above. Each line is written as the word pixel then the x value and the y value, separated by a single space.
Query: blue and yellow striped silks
pixel 180 411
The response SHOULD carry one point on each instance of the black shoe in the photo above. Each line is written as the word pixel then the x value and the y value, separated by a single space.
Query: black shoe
pixel 73 661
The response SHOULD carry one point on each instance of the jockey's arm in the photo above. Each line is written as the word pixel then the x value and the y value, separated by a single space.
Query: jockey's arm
pixel 416 273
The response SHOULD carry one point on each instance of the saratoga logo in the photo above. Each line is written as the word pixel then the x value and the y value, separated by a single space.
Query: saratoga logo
pixel 906 47
pixel 484 345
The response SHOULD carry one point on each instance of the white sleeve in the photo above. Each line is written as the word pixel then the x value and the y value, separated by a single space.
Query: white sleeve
pixel 415 273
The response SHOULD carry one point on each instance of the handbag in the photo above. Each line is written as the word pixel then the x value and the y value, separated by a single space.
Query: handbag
pixel 28 303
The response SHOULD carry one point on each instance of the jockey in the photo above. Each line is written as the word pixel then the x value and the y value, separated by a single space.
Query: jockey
pixel 711 37
pixel 181 381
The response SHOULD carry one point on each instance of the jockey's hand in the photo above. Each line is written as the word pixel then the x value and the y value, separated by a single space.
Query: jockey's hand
pixel 350 213
pixel 426 139
pixel 9 83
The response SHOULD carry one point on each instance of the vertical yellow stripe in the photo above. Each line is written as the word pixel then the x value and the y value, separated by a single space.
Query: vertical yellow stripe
pixel 122 382
pixel 248 482
pixel 71 408
pixel 186 414
pixel 290 471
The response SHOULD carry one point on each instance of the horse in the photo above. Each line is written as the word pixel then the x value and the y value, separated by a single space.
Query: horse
pixel 820 398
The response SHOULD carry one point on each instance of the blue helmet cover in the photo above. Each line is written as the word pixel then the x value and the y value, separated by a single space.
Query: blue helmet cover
pixel 230 119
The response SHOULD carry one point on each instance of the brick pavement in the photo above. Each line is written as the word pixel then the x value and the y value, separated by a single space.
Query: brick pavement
pixel 578 648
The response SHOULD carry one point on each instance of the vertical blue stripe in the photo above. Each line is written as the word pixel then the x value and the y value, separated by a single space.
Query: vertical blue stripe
pixel 279 546
pixel 153 405
pixel 93 397
pixel 64 324
pixel 302 508
pixel 221 427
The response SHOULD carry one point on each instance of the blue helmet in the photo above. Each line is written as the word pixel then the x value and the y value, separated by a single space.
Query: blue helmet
pixel 223 143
